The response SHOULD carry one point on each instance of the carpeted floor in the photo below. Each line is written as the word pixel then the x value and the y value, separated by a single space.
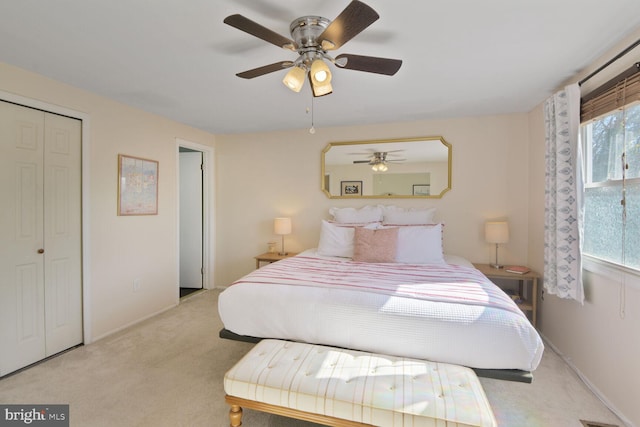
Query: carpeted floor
pixel 168 370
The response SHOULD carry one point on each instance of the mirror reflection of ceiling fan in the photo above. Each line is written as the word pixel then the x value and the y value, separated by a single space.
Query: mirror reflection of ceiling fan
pixel 378 160
pixel 312 37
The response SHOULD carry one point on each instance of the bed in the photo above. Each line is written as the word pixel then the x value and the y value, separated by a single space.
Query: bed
pixel 443 310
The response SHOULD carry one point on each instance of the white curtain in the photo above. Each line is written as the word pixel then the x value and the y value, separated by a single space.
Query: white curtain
pixel 563 196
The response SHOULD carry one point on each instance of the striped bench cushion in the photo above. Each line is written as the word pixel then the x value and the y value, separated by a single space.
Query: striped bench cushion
pixel 363 387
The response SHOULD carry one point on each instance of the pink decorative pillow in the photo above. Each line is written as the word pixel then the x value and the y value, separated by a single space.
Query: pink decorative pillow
pixel 375 245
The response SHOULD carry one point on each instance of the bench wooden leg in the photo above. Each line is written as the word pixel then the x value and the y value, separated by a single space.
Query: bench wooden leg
pixel 235 416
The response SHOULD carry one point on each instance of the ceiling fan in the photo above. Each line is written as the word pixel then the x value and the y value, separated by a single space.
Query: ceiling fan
pixel 311 38
pixel 378 161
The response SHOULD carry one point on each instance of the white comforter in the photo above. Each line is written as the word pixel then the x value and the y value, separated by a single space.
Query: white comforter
pixel 441 312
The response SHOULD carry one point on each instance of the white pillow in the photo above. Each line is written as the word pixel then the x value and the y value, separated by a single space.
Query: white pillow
pixel 357 216
pixel 336 240
pixel 420 245
pixel 413 216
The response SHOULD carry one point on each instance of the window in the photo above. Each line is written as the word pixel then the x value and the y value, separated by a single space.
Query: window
pixel 611 145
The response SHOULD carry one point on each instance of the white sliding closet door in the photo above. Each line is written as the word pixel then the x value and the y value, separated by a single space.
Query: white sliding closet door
pixel 40 235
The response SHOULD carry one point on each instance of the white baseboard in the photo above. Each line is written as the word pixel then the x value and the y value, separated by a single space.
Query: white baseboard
pixel 142 319
pixel 588 383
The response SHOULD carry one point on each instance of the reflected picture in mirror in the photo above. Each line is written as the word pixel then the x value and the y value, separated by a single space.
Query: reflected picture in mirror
pixel 390 168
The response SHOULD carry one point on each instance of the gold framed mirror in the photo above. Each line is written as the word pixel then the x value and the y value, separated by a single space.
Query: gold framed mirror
pixel 387 168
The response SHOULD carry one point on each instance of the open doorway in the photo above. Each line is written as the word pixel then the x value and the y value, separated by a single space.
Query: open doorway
pixel 191 261
pixel 194 217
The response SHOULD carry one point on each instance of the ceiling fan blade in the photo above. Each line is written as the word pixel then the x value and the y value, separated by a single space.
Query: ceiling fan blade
pixel 352 20
pixel 370 153
pixel 248 26
pixel 266 69
pixel 361 161
pixel 371 64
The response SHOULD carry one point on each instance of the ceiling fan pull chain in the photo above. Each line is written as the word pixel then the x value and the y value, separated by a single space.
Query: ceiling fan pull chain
pixel 312 129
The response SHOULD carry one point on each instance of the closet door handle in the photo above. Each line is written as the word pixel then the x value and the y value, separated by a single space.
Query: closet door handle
pixel 40 251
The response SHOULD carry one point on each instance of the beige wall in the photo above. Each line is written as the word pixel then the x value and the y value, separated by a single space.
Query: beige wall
pixel 262 176
pixel 121 248
pixel 596 339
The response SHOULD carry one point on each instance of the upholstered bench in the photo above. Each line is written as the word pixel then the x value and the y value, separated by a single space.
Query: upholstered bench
pixel 345 388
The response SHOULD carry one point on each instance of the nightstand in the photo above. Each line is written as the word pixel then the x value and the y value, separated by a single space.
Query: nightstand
pixel 272 257
pixel 531 277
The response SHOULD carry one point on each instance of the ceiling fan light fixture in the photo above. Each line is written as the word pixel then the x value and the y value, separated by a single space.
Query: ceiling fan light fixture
pixel 321 89
pixel 320 78
pixel 379 167
pixel 294 79
pixel 320 73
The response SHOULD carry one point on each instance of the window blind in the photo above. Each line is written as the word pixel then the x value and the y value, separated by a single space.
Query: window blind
pixel 615 94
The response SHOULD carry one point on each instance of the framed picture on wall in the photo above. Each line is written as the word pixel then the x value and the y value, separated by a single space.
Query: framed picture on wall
pixel 351 188
pixel 421 190
pixel 137 186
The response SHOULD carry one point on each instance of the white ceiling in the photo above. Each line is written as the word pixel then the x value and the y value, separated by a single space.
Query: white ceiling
pixel 178 59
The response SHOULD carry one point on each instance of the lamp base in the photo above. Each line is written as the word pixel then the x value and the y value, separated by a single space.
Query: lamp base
pixel 495 264
pixel 282 252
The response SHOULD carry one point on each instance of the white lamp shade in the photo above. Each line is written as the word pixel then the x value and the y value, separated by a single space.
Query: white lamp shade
pixel 320 78
pixel 496 232
pixel 321 89
pixel 294 79
pixel 320 73
pixel 282 226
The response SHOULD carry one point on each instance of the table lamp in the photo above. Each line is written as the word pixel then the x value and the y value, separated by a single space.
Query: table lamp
pixel 496 232
pixel 282 227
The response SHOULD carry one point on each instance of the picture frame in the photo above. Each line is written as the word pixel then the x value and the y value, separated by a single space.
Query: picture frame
pixel 351 188
pixel 421 190
pixel 137 186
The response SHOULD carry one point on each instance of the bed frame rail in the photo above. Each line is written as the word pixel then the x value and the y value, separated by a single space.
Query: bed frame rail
pixel 515 375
